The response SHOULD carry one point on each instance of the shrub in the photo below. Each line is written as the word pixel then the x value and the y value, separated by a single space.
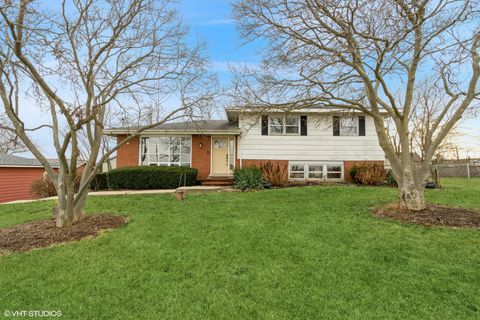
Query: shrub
pixel 391 181
pixel 248 178
pixel 138 178
pixel 100 182
pixel 353 173
pixel 275 174
pixel 368 173
pixel 43 188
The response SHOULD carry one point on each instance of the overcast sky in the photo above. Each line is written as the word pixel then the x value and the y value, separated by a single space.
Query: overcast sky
pixel 210 21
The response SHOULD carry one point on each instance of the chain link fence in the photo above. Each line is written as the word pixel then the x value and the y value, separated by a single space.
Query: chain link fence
pixel 458 168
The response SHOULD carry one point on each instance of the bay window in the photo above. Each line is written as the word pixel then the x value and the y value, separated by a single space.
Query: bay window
pixel 165 151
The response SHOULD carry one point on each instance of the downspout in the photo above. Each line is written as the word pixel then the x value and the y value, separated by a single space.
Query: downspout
pixel 240 154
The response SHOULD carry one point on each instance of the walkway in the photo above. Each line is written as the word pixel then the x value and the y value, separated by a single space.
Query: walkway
pixel 129 192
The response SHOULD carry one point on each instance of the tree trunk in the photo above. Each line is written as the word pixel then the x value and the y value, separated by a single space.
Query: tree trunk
pixel 66 211
pixel 80 205
pixel 412 194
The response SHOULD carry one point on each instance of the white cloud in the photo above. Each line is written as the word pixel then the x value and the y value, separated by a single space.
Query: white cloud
pixel 214 22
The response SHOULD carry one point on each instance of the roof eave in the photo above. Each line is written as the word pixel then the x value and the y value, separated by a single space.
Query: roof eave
pixel 114 132
pixel 231 112
pixel 24 166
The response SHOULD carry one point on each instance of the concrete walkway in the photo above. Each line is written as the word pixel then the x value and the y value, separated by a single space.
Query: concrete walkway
pixel 156 191
pixel 193 189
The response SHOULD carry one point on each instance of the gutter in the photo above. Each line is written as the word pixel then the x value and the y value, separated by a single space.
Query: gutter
pixel 165 132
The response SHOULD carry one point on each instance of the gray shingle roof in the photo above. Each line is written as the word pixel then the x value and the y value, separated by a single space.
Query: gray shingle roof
pixel 190 126
pixel 8 160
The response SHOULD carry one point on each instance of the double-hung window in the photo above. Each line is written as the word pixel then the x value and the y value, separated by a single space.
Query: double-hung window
pixel 284 125
pixel 166 151
pixel 349 126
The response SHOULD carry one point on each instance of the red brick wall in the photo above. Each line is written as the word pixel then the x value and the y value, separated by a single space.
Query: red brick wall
pixel 237 160
pixel 259 163
pixel 347 165
pixel 201 156
pixel 127 155
pixel 15 182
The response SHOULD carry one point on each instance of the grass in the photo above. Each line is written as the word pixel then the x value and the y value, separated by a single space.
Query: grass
pixel 313 252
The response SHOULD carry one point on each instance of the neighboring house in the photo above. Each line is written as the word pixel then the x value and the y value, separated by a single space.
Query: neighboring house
pixel 109 164
pixel 17 174
pixel 311 144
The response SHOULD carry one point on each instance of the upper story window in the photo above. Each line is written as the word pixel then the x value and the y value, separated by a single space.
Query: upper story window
pixel 166 151
pixel 349 126
pixel 284 125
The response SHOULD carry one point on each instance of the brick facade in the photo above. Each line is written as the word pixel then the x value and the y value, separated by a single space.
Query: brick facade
pixel 201 156
pixel 347 165
pixel 128 154
pixel 283 164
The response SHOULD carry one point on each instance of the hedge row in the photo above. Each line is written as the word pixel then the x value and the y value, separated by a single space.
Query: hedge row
pixel 143 178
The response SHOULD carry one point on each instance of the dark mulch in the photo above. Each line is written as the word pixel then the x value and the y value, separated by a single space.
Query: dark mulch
pixel 433 215
pixel 44 233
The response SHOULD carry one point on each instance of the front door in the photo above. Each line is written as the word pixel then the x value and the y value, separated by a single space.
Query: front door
pixel 221 156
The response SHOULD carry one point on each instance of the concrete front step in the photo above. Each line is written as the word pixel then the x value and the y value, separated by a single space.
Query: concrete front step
pixel 218 181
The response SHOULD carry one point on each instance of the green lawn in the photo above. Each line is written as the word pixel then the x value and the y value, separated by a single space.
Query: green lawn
pixel 304 253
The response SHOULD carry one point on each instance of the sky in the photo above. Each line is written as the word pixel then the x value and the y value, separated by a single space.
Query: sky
pixel 210 21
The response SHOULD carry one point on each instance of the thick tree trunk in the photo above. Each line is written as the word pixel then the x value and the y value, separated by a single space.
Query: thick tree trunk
pixel 67 212
pixel 411 193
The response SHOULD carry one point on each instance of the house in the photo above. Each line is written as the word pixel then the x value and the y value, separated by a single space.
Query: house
pixel 16 176
pixel 18 173
pixel 311 144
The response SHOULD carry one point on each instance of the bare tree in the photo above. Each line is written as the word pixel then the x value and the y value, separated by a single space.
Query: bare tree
pixel 356 54
pixel 10 143
pixel 85 58
pixel 429 100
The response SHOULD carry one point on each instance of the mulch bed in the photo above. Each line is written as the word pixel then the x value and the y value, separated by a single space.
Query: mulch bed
pixel 433 215
pixel 44 233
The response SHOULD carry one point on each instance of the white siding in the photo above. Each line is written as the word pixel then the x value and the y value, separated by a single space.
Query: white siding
pixel 319 144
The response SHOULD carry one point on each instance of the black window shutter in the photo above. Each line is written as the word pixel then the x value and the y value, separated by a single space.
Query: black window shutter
pixel 303 125
pixel 264 125
pixel 336 125
pixel 361 125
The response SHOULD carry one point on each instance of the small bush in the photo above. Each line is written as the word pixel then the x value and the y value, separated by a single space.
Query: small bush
pixel 275 174
pixel 43 188
pixel 143 178
pixel 391 181
pixel 368 173
pixel 248 178
pixel 353 173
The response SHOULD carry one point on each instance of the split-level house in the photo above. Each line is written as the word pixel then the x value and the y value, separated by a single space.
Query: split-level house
pixel 309 144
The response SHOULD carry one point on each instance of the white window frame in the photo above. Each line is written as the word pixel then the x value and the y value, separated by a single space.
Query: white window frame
pixel 169 163
pixel 355 122
pixel 284 125
pixel 323 164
